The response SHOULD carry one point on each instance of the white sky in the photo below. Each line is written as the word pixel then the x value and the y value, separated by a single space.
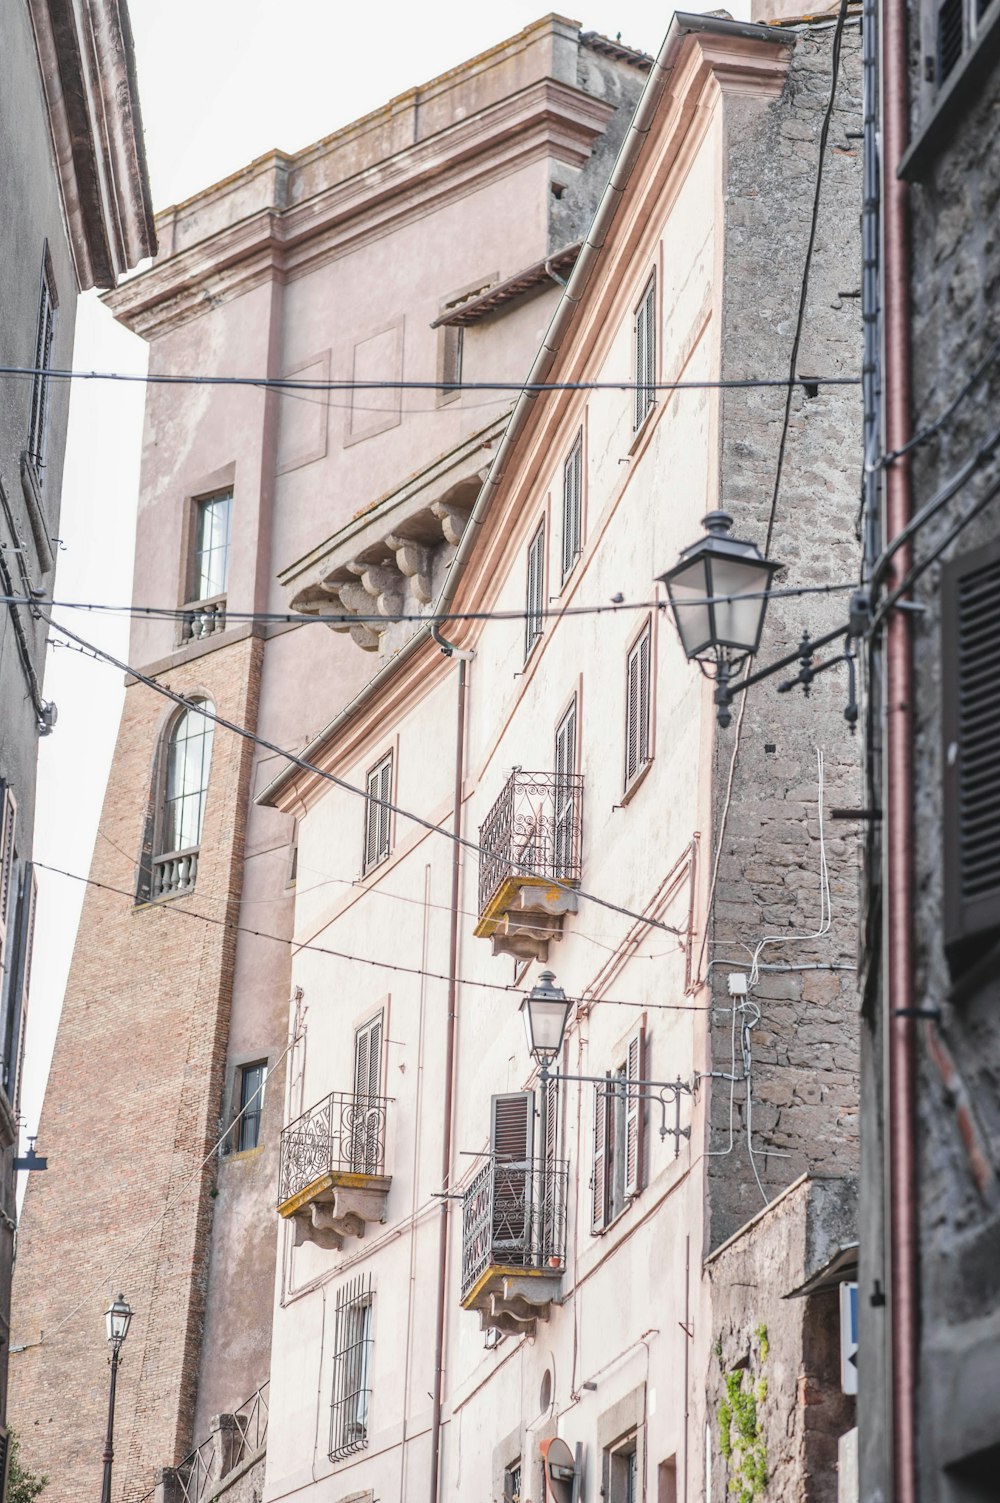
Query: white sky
pixel 220 82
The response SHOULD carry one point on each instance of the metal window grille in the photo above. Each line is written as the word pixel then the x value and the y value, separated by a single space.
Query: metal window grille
pixel 352 1361
pixel 645 355
pixel 512 1482
pixel 39 411
pixel 535 592
pixel 252 1078
pixel 572 506
pixel 637 707
pixel 377 812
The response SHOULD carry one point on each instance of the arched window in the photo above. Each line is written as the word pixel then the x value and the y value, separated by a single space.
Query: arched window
pixel 179 793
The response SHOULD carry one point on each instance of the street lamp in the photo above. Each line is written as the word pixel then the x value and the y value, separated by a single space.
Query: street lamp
pixel 545 1010
pixel 118 1318
pixel 718 592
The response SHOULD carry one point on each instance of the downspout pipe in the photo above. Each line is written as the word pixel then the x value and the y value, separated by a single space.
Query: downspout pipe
pixel 449 1065
pixel 898 993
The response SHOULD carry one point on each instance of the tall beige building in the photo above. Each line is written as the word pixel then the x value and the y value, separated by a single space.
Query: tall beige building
pixel 347 261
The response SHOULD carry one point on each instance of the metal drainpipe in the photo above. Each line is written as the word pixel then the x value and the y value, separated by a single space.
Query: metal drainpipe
pixel 898 805
pixel 449 1066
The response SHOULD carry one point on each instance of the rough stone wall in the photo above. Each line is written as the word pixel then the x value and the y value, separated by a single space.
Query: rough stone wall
pixel 803 1093
pixel 955 298
pixel 783 1352
pixel 131 1111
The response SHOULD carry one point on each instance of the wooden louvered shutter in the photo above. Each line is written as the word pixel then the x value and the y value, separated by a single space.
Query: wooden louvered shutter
pixel 635 1069
pixel 603 1111
pixel 365 1157
pixel 565 791
pixel 970 614
pixel 512 1125
pixel 637 706
pixel 645 354
pixel 535 594
pixel 368 1058
pixel 572 505
pixel 378 813
pixel 384 813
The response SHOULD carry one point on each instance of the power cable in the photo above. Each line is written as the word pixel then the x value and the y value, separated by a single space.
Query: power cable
pixel 928 432
pixel 289 384
pixel 385 965
pixel 330 777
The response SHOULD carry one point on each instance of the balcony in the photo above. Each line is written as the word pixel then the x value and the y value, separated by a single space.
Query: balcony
pixel 332 1179
pixel 530 841
pixel 203 618
pixel 514 1243
pixel 173 873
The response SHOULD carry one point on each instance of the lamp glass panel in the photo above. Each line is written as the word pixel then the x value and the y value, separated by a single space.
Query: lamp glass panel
pixel 547 1023
pixel 118 1318
pixel 738 620
pixel 694 623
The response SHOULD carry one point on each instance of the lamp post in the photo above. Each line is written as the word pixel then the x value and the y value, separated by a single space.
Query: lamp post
pixel 545 1010
pixel 718 592
pixel 118 1317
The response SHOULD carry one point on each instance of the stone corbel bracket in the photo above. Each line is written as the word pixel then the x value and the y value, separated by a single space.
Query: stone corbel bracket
pixel 336 1207
pixel 513 1301
pixel 525 915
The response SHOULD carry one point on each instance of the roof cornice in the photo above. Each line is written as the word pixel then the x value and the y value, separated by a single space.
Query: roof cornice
pixel 87 64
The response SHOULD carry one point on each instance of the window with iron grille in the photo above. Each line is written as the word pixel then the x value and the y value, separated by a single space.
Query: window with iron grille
pixel 377 813
pixel 619 1122
pixel 572 506
pixel 644 355
pixel 44 335
pixel 970 716
pixel 535 592
pixel 246 1132
pixel 352 1368
pixel 637 706
pixel 512 1482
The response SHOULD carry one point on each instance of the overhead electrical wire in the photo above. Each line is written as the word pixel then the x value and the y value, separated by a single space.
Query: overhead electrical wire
pixel 292 384
pixel 342 783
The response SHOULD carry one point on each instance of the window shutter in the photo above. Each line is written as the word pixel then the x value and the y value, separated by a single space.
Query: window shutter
pixel 550 1120
pixel 572 505
pixel 535 594
pixel 8 817
pixel 599 1181
pixel 645 354
pixel 637 708
pixel 970 612
pixel 565 768
pixel 368 1058
pixel 18 983
pixel 512 1123
pixel 384 813
pixel 377 813
pixel 635 1069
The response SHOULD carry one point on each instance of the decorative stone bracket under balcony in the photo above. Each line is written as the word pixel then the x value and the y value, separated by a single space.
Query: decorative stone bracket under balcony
pixel 332 1182
pixel 514 1243
pixel 529 862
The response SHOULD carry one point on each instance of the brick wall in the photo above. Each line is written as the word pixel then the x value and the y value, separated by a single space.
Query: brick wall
pixel 804 1048
pixel 131 1109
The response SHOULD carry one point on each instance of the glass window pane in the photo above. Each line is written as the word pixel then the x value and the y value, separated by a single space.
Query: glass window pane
pixel 189 756
pixel 211 549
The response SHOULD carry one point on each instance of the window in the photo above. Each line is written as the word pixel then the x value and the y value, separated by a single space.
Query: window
pixel 512 1130
pixel 352 1360
pixel 180 787
pixel 970 651
pixel 377 812
pixel 452 348
pixel 637 718
pixel 644 355
pixel 512 1482
pixel 209 566
pixel 564 831
pixel 958 26
pixel 618 1135
pixel 365 1148
pixel 44 334
pixel 8 874
pixel 18 893
pixel 246 1133
pixel 535 592
pixel 572 507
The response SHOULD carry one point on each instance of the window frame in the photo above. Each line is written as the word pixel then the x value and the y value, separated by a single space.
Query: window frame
pixel 645 352
pixel 572 503
pixel 634 655
pixel 154 850
pixel 535 571
pixel 243 1119
pixel 942 104
pixel 619 1135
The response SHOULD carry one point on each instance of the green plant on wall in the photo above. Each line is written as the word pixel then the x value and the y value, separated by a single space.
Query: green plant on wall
pixel 741 1437
pixel 22 1486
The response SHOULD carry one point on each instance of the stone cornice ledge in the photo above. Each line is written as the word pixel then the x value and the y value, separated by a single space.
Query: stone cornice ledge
pixel 87 65
pixel 547 118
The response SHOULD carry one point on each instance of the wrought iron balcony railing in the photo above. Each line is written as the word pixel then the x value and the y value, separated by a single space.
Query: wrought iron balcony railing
pixel 344 1133
pixel 514 1217
pixel 533 830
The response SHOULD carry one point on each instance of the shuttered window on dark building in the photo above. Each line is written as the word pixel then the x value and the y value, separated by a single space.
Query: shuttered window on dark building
pixel 970 623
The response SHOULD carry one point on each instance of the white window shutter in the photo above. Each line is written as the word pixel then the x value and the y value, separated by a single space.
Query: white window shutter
pixel 635 1069
pixel 565 791
pixel 637 708
pixel 535 592
pixel 384 813
pixel 378 826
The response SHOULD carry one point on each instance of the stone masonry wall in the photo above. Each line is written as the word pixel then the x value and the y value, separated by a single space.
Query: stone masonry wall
pixel 955 300
pixel 131 1111
pixel 800 1112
